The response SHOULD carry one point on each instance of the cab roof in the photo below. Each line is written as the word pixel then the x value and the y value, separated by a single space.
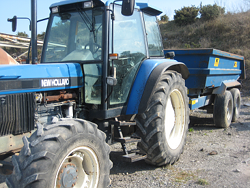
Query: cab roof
pixel 141 6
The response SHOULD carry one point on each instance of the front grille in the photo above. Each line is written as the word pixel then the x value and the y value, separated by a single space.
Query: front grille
pixel 16 113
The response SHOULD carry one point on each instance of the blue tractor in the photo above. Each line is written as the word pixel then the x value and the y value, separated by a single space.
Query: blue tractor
pixel 103 78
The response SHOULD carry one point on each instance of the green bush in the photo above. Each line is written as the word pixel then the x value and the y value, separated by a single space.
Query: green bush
pixel 186 15
pixel 210 12
pixel 164 18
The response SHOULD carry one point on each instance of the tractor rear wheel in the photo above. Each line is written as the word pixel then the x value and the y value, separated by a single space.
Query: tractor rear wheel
pixel 69 153
pixel 163 126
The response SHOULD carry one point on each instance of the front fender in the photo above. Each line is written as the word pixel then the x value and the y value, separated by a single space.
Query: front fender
pixel 146 79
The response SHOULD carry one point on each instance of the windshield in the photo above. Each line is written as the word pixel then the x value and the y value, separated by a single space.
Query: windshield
pixel 74 36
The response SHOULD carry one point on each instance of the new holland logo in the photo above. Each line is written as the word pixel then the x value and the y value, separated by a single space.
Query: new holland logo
pixel 54 82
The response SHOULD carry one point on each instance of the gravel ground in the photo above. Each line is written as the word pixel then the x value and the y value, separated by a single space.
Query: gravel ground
pixel 213 157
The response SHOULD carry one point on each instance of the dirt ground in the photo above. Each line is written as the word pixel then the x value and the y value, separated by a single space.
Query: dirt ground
pixel 213 157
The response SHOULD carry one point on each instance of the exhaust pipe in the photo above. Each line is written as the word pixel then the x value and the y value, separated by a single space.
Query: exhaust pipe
pixel 34 31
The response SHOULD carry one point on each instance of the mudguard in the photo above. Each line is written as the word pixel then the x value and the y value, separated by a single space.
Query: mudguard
pixel 41 77
pixel 145 81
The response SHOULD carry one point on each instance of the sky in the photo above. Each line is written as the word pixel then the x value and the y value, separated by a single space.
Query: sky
pixel 21 8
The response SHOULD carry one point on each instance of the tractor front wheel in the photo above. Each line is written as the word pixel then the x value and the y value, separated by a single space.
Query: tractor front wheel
pixel 163 126
pixel 69 153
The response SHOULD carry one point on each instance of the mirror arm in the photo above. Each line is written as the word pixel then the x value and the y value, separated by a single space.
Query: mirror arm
pixel 42 20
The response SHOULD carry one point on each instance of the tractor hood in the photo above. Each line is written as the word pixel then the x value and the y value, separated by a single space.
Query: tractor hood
pixel 41 77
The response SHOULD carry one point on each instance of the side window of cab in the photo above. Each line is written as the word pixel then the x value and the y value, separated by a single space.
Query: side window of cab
pixel 155 46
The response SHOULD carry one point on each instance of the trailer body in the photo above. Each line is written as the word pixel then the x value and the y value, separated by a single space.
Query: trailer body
pixel 212 72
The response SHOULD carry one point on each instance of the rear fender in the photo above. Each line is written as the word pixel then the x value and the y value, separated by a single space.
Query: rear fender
pixel 146 79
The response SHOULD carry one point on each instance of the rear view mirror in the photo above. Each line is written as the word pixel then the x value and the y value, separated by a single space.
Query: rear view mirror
pixel 170 55
pixel 128 7
pixel 14 23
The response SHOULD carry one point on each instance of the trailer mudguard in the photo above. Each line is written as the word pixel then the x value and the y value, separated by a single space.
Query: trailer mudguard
pixel 42 77
pixel 226 84
pixel 146 79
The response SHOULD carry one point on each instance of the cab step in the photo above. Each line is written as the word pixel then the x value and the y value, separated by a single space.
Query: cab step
pixel 128 155
pixel 127 140
pixel 123 123
pixel 133 157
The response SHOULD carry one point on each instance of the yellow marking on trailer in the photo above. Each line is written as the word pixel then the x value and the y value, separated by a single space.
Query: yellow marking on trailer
pixel 217 61
pixel 192 102
pixel 235 64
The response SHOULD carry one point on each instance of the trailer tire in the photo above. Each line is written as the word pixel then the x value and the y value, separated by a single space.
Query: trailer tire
pixel 64 154
pixel 163 126
pixel 236 103
pixel 223 109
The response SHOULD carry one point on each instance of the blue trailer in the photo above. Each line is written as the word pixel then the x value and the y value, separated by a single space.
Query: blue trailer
pixel 214 75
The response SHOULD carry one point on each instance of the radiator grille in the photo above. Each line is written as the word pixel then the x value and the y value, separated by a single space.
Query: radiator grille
pixel 16 113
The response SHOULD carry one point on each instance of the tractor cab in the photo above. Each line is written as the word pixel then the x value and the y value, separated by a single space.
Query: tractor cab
pixel 108 40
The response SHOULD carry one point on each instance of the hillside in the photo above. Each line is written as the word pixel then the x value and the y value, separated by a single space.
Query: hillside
pixel 230 32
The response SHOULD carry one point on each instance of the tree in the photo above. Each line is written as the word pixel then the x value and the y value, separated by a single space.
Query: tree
pixel 186 15
pixel 41 36
pixel 165 18
pixel 22 34
pixel 211 12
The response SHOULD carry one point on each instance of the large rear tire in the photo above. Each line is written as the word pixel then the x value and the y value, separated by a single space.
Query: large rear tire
pixel 163 126
pixel 69 153
pixel 223 109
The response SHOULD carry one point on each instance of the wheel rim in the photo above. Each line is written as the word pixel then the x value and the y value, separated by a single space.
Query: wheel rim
pixel 237 105
pixel 229 110
pixel 175 113
pixel 79 169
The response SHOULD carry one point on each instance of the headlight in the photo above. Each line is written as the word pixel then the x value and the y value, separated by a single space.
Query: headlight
pixel 55 10
pixel 88 4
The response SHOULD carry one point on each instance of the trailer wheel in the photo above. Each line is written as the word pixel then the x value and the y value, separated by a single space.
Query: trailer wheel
pixel 69 153
pixel 236 103
pixel 163 126
pixel 223 109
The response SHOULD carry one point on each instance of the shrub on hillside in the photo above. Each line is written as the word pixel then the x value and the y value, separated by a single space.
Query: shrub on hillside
pixel 186 15
pixel 22 34
pixel 164 18
pixel 210 12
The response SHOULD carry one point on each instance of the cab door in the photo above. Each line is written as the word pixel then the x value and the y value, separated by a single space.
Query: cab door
pixel 130 45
